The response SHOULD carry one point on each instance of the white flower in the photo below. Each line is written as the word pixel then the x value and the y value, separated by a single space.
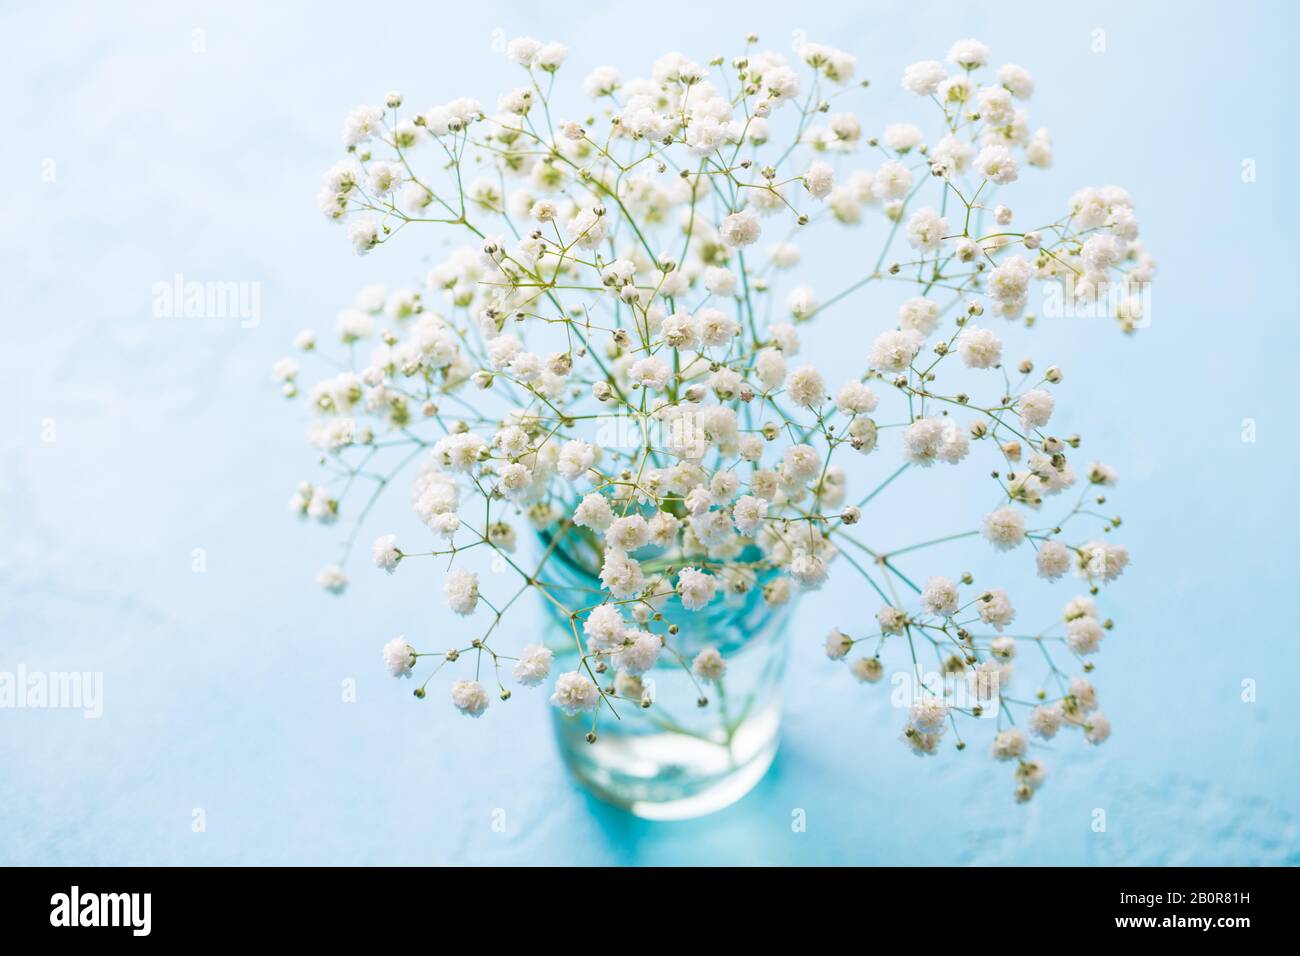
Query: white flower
pixel 575 693
pixel 651 372
pixel 285 370
pixel 709 665
pixel 740 228
pixel 855 398
pixel 588 227
pixel 469 697
pixel 928 440
pixel 1083 635
pixel 601 81
pixel 924 77
pixel 516 481
pixel 663 529
pixel 1045 721
pixel 621 575
pixel 551 56
pixel 639 654
pixel 1083 693
pixel 995 107
pixel 523 50
pixel 1036 407
pixel 769 364
pixel 995 608
pixel 968 54
pixel 979 348
pixel 462 591
pixel 1105 561
pixel 996 164
pixel 1004 528
pixel 1017 80
pixel 806 387
pixel 628 533
pixel 322 507
pixel 332 579
pixel 1038 151
pixel 342 177
pixel 384 178
pixel 867 670
pixel 518 101
pixel 921 744
pixel 818 180
pixel 604 627
pixel 1009 280
pixel 1101 252
pixel 681 331
pixel 399 657
pixel 939 597
pixel 363 233
pixel 719 281
pixel 891 181
pixel 386 552
pixel 695 588
pixel 1009 744
pixel 838 644
pixel 594 512
pixel 748 514
pixel 1102 474
pixel 808 570
pixel 802 302
pixel 926 229
pixel 894 350
pixel 919 315
pixel 951 155
pixel 526 367
pixel 1052 560
pixel 955 89
pixel 576 457
pixel 361 124
pixel 1096 729
pixel 928 714
pixel 785 255
pixel 1078 607
pixel 445 525
pixel 837 65
pixel 891 619
pixel 801 462
pixel 983 682
pixel 902 137
pixel 533 665
pixel 460 452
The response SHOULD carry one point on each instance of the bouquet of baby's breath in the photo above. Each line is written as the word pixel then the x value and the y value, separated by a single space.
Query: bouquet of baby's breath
pixel 612 357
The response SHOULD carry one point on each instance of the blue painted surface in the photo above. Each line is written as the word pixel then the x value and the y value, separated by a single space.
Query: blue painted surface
pixel 222 690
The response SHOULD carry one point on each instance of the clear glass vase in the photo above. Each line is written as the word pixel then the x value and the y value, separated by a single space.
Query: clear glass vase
pixel 699 746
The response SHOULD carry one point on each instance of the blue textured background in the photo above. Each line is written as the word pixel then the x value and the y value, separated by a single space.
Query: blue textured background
pixel 222 690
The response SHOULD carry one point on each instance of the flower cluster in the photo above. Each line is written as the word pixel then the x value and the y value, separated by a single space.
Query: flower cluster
pixel 627 271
